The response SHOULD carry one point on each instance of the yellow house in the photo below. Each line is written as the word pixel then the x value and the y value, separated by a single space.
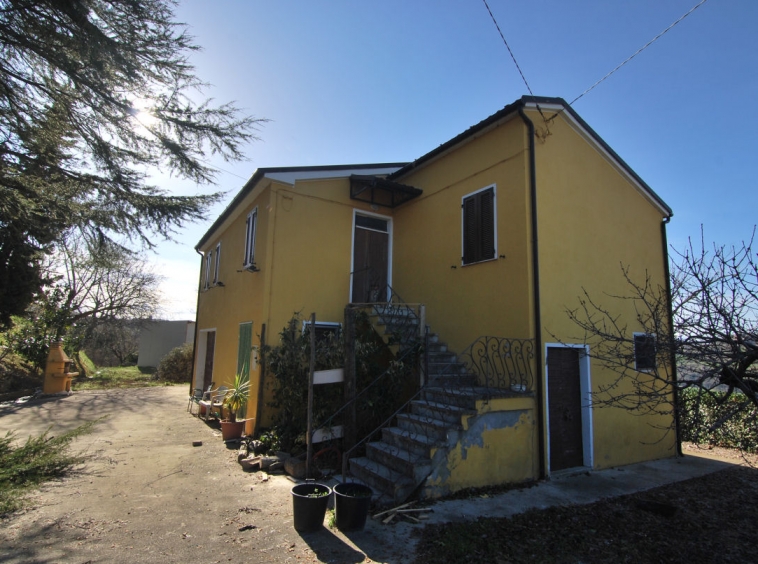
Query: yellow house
pixel 489 238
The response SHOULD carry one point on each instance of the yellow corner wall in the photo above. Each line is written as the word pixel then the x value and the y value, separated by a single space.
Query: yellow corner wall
pixel 591 222
pixel 308 227
pixel 240 299
pixel 488 298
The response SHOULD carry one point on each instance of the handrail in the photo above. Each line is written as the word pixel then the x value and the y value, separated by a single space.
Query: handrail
pixel 407 333
pixel 346 454
pixel 364 390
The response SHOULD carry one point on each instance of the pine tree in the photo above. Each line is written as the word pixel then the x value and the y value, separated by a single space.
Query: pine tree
pixel 75 140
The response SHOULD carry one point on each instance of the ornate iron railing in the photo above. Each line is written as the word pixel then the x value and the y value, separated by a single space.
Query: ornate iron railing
pixel 500 363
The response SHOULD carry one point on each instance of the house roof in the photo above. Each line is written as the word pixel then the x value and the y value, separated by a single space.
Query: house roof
pixel 289 175
pixel 396 171
pixel 554 105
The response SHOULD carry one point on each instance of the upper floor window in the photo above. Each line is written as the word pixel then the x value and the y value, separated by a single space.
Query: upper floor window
pixel 644 351
pixel 250 226
pixel 208 266
pixel 479 226
pixel 217 264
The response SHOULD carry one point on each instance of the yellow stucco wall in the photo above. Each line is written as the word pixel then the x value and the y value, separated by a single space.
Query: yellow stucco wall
pixel 591 222
pixel 308 227
pixel 488 298
pixel 240 299
pixel 496 446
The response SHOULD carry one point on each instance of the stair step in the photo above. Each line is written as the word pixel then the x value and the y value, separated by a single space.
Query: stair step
pixel 441 357
pixel 414 442
pixel 453 414
pixel 452 381
pixel 389 482
pixel 404 461
pixel 446 367
pixel 437 347
pixel 394 310
pixel 461 397
pixel 422 424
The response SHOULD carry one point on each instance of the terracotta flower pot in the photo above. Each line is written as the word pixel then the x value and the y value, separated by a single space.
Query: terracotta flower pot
pixel 232 429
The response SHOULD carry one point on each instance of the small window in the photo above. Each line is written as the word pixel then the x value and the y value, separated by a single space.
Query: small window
pixel 208 266
pixel 373 223
pixel 479 234
pixel 250 226
pixel 644 351
pixel 217 264
pixel 325 330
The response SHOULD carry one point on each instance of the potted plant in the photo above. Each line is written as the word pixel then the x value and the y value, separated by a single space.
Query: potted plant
pixel 309 501
pixel 236 397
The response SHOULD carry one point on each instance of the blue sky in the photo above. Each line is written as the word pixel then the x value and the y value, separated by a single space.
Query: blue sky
pixel 353 81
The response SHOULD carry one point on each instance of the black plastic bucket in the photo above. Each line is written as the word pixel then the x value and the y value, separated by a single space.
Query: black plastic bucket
pixel 309 503
pixel 351 503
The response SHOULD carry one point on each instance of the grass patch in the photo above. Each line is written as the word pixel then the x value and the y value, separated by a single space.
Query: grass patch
pixel 118 377
pixel 39 460
pixel 86 363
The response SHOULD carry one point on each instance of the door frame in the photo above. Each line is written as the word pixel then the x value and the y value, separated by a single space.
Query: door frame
pixel 202 343
pixel 390 238
pixel 585 396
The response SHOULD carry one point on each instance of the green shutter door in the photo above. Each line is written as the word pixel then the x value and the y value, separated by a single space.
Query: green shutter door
pixel 243 353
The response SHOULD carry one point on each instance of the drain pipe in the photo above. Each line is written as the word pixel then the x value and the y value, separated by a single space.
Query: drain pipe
pixel 197 325
pixel 672 350
pixel 536 277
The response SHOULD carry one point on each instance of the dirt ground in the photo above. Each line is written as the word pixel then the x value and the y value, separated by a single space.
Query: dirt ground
pixel 148 495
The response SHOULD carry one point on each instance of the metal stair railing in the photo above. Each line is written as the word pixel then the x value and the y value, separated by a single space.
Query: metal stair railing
pixel 403 322
pixel 502 366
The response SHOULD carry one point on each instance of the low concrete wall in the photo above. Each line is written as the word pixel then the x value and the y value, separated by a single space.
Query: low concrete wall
pixel 498 445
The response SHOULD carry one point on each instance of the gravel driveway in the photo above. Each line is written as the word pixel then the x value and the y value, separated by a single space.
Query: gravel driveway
pixel 148 495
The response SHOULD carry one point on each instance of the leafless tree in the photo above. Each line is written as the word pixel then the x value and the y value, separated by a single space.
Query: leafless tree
pixel 704 349
pixel 101 279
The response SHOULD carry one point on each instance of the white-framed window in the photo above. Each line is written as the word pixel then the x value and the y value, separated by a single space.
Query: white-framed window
pixel 208 266
pixel 250 227
pixel 217 264
pixel 644 351
pixel 479 226
pixel 324 330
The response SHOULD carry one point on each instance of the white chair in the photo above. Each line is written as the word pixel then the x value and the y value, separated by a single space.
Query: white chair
pixel 195 398
pixel 215 401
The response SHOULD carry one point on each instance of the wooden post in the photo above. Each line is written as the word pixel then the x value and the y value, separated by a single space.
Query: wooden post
pixel 261 379
pixel 309 432
pixel 350 419
pixel 423 341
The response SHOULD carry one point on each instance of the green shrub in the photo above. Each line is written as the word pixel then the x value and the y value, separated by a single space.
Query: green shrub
pixel 176 366
pixel 289 363
pixel 38 460
pixel 712 418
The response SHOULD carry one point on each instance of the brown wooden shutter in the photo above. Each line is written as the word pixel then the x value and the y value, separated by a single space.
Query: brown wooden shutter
pixel 470 230
pixel 479 226
pixel 487 223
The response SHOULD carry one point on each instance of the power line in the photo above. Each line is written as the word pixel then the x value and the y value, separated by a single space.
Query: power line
pixel 515 62
pixel 640 50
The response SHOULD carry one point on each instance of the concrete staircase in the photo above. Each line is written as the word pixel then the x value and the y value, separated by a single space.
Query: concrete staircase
pixel 397 464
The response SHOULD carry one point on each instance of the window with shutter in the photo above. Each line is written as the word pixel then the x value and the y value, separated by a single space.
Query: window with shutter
pixel 250 226
pixel 644 351
pixel 217 265
pixel 208 266
pixel 479 226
